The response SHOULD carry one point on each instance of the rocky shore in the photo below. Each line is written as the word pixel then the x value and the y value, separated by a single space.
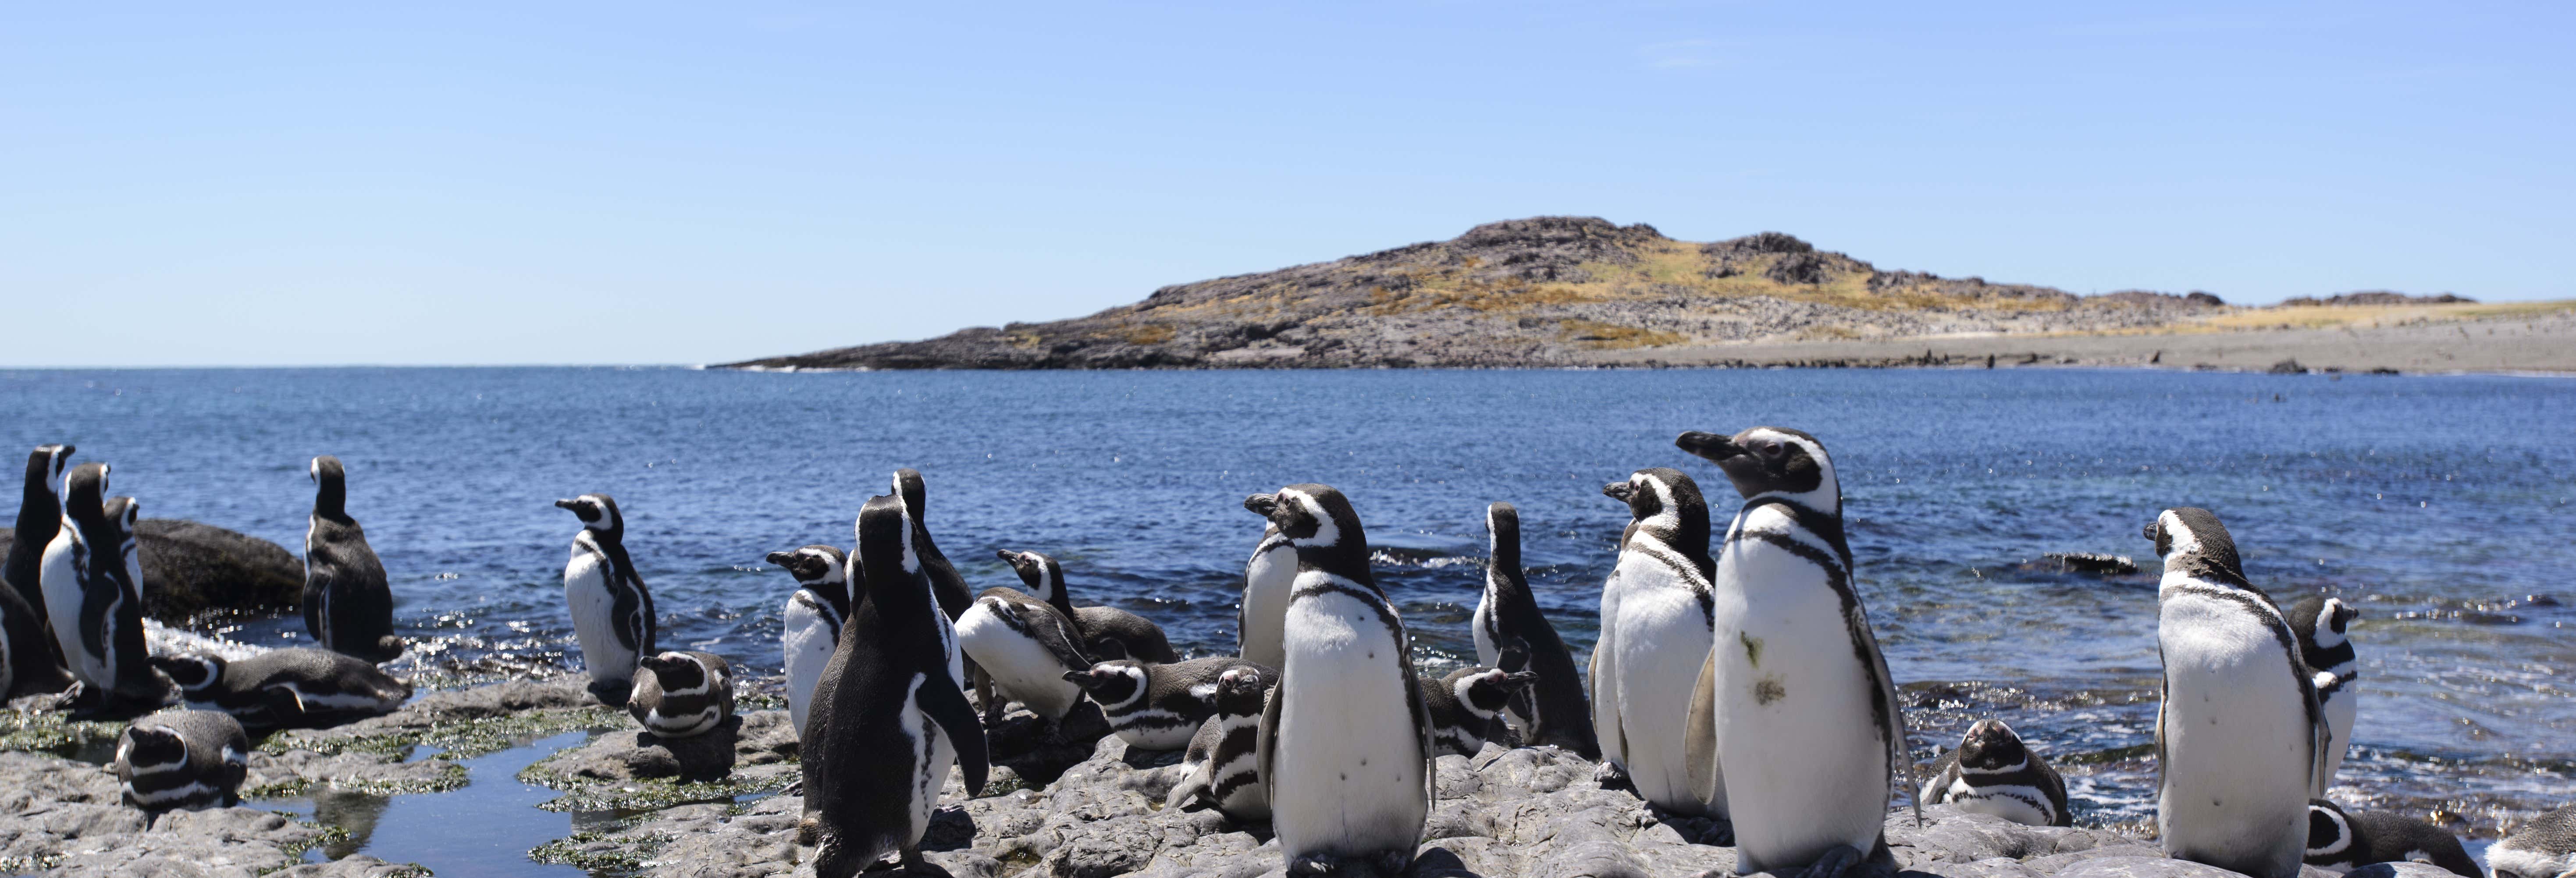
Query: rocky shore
pixel 1071 805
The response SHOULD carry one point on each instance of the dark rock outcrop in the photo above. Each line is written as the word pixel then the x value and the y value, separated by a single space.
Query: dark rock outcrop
pixel 2375 297
pixel 191 568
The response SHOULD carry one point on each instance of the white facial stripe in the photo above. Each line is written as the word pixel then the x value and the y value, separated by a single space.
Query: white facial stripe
pixel 911 560
pixel 1469 682
pixel 2342 838
pixel 1133 673
pixel 2179 539
pixel 1326 532
pixel 2017 766
pixel 1203 691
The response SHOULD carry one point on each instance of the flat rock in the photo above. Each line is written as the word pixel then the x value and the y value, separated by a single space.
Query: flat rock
pixel 630 768
pixel 2158 866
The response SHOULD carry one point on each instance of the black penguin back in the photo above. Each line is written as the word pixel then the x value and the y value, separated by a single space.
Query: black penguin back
pixel 40 517
pixel 1559 713
pixel 342 573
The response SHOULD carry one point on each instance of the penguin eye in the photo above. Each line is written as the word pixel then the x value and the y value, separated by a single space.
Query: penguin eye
pixel 1768 448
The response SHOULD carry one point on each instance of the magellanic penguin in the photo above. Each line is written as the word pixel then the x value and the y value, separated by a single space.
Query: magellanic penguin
pixel 1551 711
pixel 1345 742
pixel 1106 632
pixel 1654 638
pixel 1803 711
pixel 28 661
pixel 890 715
pixel 2240 738
pixel 1267 579
pixel 813 621
pixel 1466 706
pixel 682 694
pixel 191 759
pixel 2340 841
pixel 1223 762
pixel 295 687
pixel 1025 647
pixel 954 596
pixel 2542 848
pixel 1992 772
pixel 2322 624
pixel 93 576
pixel 347 606
pixel 1155 707
pixel 612 612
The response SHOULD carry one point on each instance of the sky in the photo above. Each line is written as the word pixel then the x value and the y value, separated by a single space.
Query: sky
pixel 636 183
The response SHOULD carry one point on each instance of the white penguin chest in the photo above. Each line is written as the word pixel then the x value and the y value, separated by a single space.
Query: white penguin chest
pixel 809 636
pixel 593 603
pixel 999 637
pixel 1267 581
pixel 1347 756
pixel 2232 715
pixel 1787 668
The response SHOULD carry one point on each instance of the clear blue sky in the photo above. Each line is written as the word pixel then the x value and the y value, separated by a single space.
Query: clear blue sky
pixel 630 183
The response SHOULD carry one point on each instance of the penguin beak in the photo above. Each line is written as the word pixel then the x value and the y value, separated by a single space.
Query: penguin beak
pixel 1620 491
pixel 1709 446
pixel 778 558
pixel 1079 678
pixel 566 504
pixel 1261 504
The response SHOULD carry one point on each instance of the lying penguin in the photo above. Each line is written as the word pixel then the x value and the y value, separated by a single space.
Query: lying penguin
pixel 2542 848
pixel 1466 707
pixel 1025 647
pixel 2340 841
pixel 286 688
pixel 1158 707
pixel 1103 633
pixel 192 759
pixel 681 694
pixel 1991 772
pixel 1223 763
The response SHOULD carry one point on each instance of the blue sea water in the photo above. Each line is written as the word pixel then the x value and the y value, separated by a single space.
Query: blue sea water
pixel 2439 504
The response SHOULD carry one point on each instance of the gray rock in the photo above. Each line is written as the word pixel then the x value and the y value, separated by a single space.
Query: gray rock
pixel 191 567
pixel 2157 866
pixel 2399 870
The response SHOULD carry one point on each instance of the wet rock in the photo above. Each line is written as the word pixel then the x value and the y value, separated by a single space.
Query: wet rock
pixel 630 768
pixel 2158 866
pixel 2397 870
pixel 2092 562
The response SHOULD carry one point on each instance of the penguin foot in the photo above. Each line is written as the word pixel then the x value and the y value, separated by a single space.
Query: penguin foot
pixel 1834 863
pixel 1612 777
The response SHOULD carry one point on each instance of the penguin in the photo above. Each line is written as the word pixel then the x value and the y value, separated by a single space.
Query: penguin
pixel 1155 707
pixel 954 596
pixel 2240 737
pixel 285 687
pixel 1991 772
pixel 682 694
pixel 1222 765
pixel 1465 706
pixel 2542 848
pixel 612 611
pixel 1106 632
pixel 1267 578
pixel 1551 711
pixel 347 606
pixel 1345 740
pixel 813 621
pixel 1025 647
pixel 1654 638
pixel 93 575
pixel 1801 708
pixel 2340 841
pixel 2321 623
pixel 28 661
pixel 890 714
pixel 189 759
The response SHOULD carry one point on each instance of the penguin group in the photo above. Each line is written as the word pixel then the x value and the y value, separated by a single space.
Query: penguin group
pixel 72 597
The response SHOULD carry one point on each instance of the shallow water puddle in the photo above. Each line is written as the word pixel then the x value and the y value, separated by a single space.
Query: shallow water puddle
pixel 485 828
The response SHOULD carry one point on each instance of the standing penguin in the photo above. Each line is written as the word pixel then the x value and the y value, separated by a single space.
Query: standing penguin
pixel 1654 638
pixel 1104 632
pixel 1466 705
pixel 954 596
pixel 1345 742
pixel 682 694
pixel 94 599
pixel 813 621
pixel 191 759
pixel 1991 772
pixel 1803 712
pixel 2542 848
pixel 2240 738
pixel 890 715
pixel 1551 710
pixel 347 606
pixel 2321 623
pixel 612 612
pixel 1267 579
pixel 28 662
pixel 1223 762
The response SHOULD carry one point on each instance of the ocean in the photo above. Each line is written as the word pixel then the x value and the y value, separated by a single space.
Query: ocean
pixel 2440 505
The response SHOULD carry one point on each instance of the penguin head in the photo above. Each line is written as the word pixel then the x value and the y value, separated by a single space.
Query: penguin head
pixel 1503 535
pixel 122 513
pixel 1484 691
pixel 2193 542
pixel 598 513
pixel 1241 691
pixel 1311 517
pixel 679 673
pixel 193 673
pixel 908 487
pixel 814 565
pixel 2321 622
pixel 152 747
pixel 1771 460
pixel 1664 501
pixel 84 492
pixel 2330 835
pixel 1112 683
pixel 887 563
pixel 45 466
pixel 1991 747
pixel 330 486
pixel 1043 576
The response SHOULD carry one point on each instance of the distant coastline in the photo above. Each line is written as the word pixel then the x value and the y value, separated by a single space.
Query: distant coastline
pixel 1558 292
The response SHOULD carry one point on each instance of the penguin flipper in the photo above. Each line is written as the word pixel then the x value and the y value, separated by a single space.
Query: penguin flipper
pixel 1699 741
pixel 1056 633
pixel 1269 733
pixel 946 705
pixel 1899 746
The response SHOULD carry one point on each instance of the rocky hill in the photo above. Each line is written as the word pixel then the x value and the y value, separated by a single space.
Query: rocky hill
pixel 1547 291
